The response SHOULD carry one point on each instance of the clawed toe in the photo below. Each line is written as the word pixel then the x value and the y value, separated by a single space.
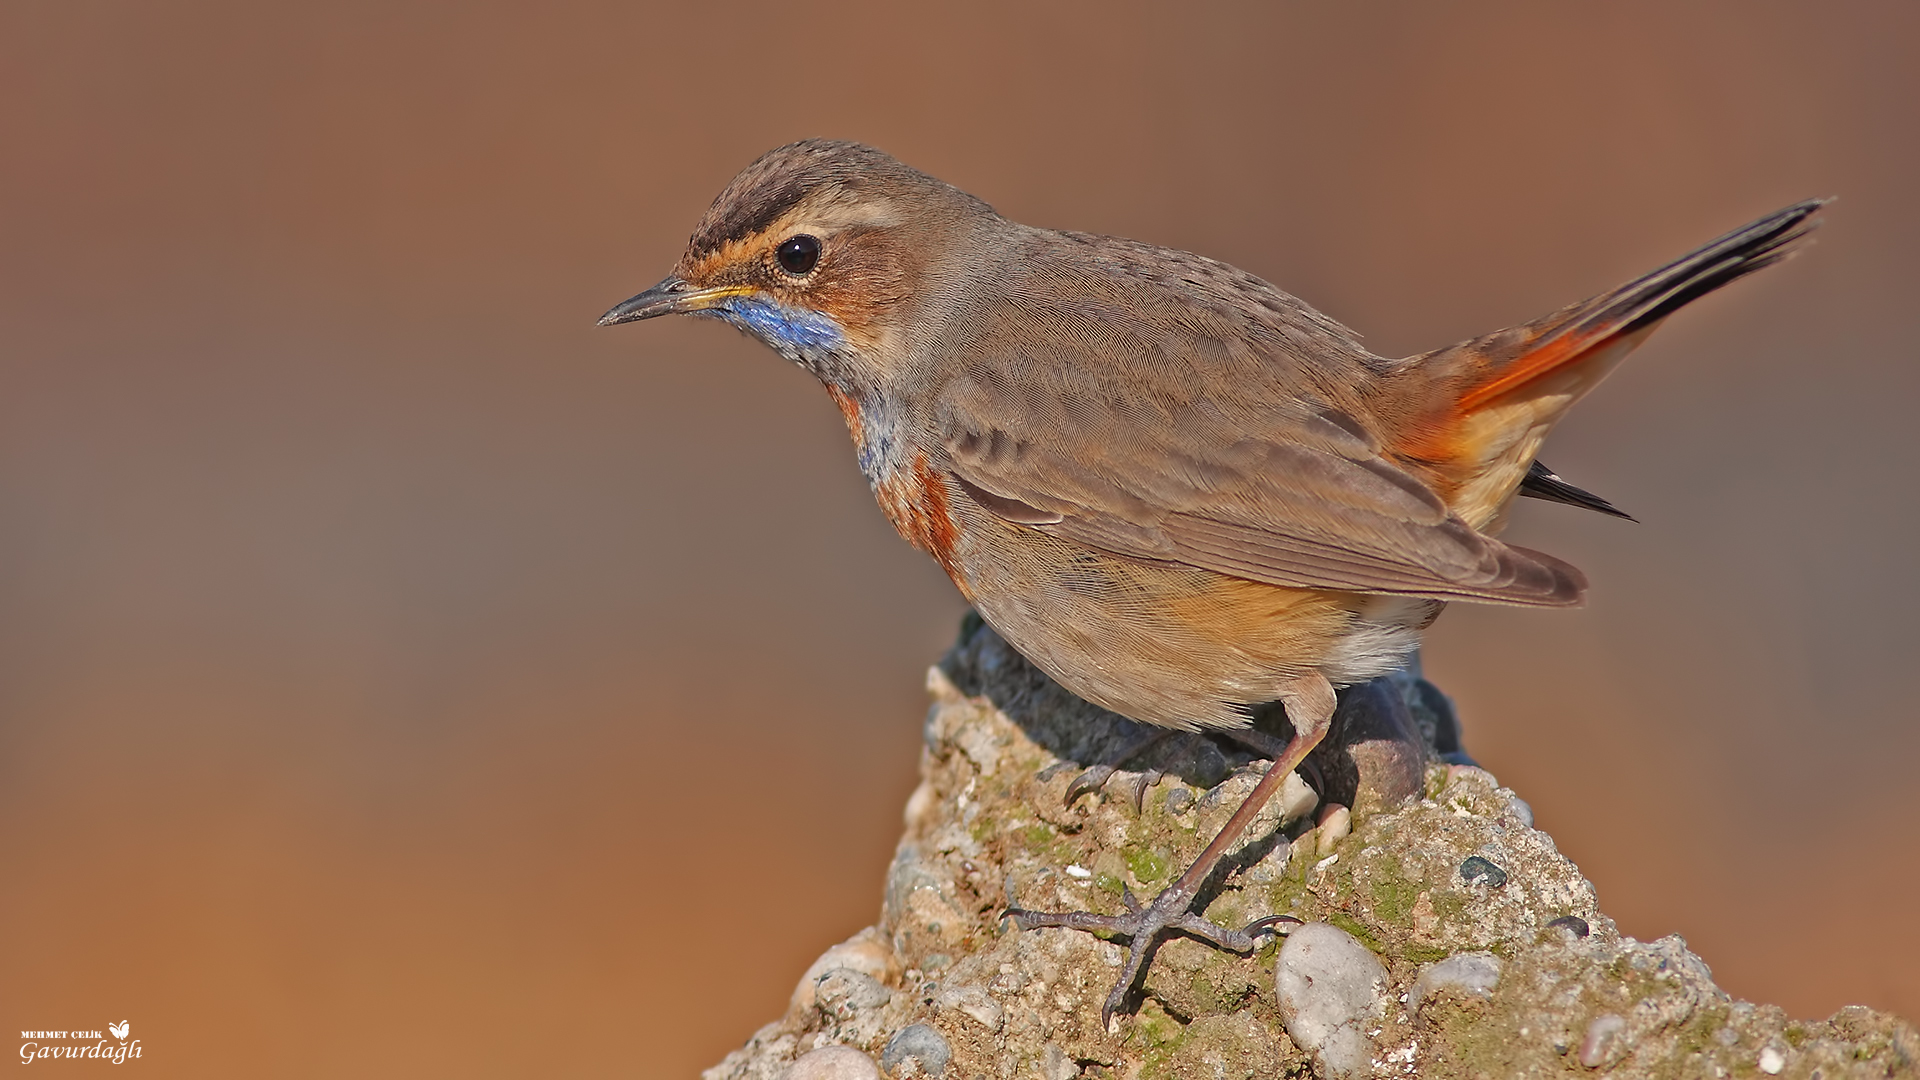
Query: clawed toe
pixel 1087 782
pixel 1096 777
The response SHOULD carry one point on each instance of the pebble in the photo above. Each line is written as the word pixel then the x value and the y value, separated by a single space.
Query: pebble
pixel 1179 800
pixel 842 992
pixel 864 952
pixel 832 1063
pixel 973 1003
pixel 1772 1061
pixel 1477 870
pixel 921 803
pixel 1334 825
pixel 1329 987
pixel 1574 926
pixel 917 1041
pixel 1056 1065
pixel 1470 975
pixel 1603 1037
pixel 1209 766
pixel 1296 798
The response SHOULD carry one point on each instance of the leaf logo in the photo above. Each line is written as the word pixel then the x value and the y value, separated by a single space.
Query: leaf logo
pixel 119 1030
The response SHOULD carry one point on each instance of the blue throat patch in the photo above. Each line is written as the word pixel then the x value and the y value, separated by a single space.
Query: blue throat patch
pixel 788 329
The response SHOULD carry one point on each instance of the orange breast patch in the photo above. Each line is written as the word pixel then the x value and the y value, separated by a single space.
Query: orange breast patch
pixel 916 501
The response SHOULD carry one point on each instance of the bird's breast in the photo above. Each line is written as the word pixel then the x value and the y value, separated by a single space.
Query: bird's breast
pixel 916 498
pixel 919 502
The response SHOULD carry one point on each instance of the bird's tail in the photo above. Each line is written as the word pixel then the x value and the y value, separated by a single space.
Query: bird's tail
pixel 1504 391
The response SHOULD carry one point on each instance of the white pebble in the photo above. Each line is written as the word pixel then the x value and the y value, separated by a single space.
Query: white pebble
pixel 1772 1061
pixel 1603 1038
pixel 1335 824
pixel 1468 975
pixel 1329 987
pixel 833 1063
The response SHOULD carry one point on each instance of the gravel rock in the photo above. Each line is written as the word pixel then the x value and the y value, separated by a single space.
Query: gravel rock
pixel 942 985
pixel 865 952
pixel 1479 871
pixel 920 1044
pixel 1467 976
pixel 1336 824
pixel 1330 988
pixel 1603 1044
pixel 1056 1065
pixel 974 1003
pixel 1573 926
pixel 852 1002
pixel 832 1063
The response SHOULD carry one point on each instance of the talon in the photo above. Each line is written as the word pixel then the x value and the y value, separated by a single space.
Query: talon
pixel 1271 925
pixel 1096 776
pixel 1087 782
pixel 1137 788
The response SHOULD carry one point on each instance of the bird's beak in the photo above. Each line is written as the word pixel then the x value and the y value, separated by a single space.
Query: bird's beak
pixel 670 297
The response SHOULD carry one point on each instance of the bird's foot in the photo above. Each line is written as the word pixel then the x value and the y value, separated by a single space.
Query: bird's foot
pixel 1143 927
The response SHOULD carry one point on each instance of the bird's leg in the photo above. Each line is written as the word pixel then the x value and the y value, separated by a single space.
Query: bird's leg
pixel 1094 777
pixel 1309 701
pixel 1269 746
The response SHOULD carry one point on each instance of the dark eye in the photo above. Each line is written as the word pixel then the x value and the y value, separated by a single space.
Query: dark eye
pixel 798 254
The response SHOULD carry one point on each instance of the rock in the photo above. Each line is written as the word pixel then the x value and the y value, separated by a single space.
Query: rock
pixel 1467 976
pixel 920 1044
pixel 1330 988
pixel 844 991
pixel 1056 1065
pixel 942 986
pixel 1479 871
pixel 852 1003
pixel 973 1003
pixel 1380 757
pixel 1772 1061
pixel 1603 1044
pixel 1335 824
pixel 1573 926
pixel 1180 800
pixel 832 1063
pixel 864 952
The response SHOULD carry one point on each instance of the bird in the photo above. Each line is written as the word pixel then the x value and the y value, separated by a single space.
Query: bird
pixel 1179 491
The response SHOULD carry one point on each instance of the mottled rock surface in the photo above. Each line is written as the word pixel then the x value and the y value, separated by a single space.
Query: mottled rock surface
pixel 1489 956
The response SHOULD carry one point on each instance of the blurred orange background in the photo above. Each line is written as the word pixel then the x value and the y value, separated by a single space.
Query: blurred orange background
pixel 401 676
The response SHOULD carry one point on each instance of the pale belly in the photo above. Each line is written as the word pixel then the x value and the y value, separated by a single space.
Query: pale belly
pixel 1169 644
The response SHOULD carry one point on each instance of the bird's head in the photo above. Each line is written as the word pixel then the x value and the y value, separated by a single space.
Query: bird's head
pixel 821 249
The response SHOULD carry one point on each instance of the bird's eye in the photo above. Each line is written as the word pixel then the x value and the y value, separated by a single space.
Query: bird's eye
pixel 798 254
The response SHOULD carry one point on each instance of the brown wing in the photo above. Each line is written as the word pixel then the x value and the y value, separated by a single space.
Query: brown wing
pixel 1143 449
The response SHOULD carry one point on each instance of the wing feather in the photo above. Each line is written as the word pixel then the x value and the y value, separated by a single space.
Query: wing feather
pixel 1173 409
pixel 1283 502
